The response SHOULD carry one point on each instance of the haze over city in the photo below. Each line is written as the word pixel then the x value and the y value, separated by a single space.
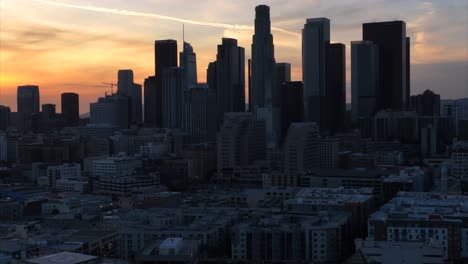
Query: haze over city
pixel 76 45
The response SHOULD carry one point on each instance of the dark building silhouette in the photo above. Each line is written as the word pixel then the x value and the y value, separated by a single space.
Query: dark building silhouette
pixel 264 98
pixel 71 108
pixel 391 40
pixel 28 99
pixel 165 52
pixel 292 108
pixel 408 71
pixel 4 117
pixel 364 79
pixel 315 40
pixel 336 88
pixel 426 104
pixel 227 75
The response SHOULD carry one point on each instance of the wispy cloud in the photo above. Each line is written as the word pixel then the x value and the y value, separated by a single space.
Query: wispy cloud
pixel 158 16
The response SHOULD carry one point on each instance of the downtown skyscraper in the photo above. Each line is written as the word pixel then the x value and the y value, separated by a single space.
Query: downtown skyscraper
pixel 28 99
pixel 393 46
pixel 315 41
pixel 188 61
pixel 265 95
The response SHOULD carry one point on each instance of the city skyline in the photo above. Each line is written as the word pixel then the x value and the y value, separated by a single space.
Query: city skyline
pixel 439 53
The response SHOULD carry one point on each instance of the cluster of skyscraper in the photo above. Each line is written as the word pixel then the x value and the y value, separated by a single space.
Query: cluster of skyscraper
pixel 173 98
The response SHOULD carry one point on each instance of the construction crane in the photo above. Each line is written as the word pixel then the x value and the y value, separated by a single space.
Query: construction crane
pixel 111 85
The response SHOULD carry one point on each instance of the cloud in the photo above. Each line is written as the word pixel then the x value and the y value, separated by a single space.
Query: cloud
pixel 158 16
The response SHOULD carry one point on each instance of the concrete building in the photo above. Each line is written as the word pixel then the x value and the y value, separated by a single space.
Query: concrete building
pixel 170 250
pixel 328 152
pixel 241 141
pixel 433 218
pixel 124 185
pixel 301 148
pixel 111 110
pixel 115 166
pixel 455 113
pixel 426 104
pixel 460 161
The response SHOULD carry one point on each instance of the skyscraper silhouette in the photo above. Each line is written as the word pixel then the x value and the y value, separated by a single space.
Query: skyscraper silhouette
pixel 264 101
pixel 188 61
pixel 390 38
pixel 28 99
pixel 126 87
pixel 335 88
pixel 315 40
pixel 364 79
pixel 71 108
pixel 229 72
pixel 165 52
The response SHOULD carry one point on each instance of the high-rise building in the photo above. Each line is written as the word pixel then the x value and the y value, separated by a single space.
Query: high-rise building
pixel 292 107
pixel 315 40
pixel 196 109
pixel 264 98
pixel 28 99
pixel 188 61
pixel 426 104
pixel 428 145
pixel 125 81
pixel 111 110
pixel 71 108
pixel 173 85
pixel 227 76
pixel 460 161
pixel 390 37
pixel 4 117
pixel 153 113
pixel 165 52
pixel 241 141
pixel 364 79
pixel 126 87
pixel 408 71
pixel 301 148
pixel 335 89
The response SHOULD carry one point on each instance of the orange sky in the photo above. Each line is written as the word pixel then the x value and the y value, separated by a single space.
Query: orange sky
pixel 64 49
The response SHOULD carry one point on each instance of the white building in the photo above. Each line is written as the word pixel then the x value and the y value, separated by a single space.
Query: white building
pixel 116 166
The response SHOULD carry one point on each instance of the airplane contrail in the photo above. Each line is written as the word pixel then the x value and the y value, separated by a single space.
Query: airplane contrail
pixel 142 14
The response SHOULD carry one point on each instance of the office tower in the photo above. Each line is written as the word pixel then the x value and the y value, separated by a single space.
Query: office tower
pixel 328 152
pixel 425 104
pixel 28 99
pixel 165 52
pixel 402 126
pixel 315 40
pixel 173 85
pixel 283 73
pixel 125 81
pixel 408 71
pixel 364 79
pixel 227 76
pixel 111 110
pixel 460 161
pixel 152 115
pixel 135 102
pixel 455 113
pixel 196 114
pixel 264 101
pixel 71 108
pixel 3 147
pixel 301 148
pixel 390 37
pixel 188 61
pixel 4 117
pixel 48 110
pixel 462 129
pixel 335 89
pixel 292 107
pixel 241 141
